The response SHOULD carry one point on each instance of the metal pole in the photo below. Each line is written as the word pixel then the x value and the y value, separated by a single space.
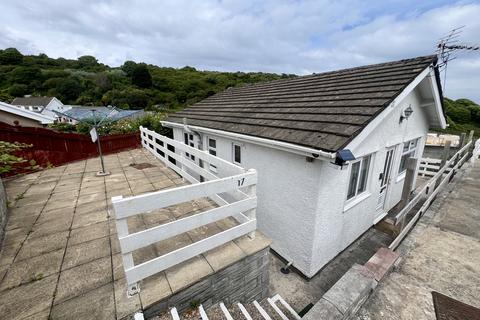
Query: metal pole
pixel 98 143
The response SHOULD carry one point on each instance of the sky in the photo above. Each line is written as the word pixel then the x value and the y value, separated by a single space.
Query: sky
pixel 282 36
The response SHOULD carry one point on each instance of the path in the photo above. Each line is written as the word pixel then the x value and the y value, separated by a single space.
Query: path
pixel 441 254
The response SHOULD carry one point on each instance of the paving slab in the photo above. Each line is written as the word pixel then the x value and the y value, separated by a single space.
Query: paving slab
pixel 36 246
pixel 90 232
pixel 28 299
pixel 83 278
pixel 86 252
pixel 32 269
pixel 95 304
pixel 190 271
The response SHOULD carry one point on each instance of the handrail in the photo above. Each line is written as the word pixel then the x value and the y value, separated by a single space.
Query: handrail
pixel 396 242
pixel 428 186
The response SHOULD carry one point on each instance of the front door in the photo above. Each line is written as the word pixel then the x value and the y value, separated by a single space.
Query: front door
pixel 385 180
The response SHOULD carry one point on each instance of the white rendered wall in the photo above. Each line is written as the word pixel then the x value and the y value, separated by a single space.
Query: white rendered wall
pixel 287 196
pixel 336 228
pixel 301 204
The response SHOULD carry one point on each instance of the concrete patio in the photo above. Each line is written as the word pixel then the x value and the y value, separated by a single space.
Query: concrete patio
pixel 60 258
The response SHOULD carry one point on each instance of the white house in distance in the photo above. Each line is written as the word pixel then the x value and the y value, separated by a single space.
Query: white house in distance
pixel 14 116
pixel 297 133
pixel 43 105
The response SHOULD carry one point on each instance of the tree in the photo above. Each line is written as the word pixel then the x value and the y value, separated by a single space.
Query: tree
pixel 18 90
pixel 86 62
pixel 25 75
pixel 128 67
pixel 136 99
pixel 70 89
pixel 141 76
pixel 10 56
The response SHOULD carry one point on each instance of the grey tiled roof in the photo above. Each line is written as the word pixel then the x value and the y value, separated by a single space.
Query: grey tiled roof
pixel 323 111
pixel 32 101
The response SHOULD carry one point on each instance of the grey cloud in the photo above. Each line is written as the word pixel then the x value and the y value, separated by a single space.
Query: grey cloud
pixel 232 35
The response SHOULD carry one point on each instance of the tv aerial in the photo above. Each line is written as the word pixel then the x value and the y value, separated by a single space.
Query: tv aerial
pixel 449 46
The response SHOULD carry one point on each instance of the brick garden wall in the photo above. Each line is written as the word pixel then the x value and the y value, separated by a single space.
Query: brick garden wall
pixel 244 281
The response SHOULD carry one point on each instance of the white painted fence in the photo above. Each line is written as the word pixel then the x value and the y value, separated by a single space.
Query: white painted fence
pixel 238 183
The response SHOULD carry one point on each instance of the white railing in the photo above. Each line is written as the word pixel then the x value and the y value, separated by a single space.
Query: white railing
pixel 239 184
pixel 429 167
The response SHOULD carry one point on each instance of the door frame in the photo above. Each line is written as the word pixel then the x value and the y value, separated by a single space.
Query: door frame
pixel 386 180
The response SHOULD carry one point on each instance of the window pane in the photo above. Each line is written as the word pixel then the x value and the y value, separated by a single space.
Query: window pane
pixel 362 186
pixel 185 138
pixel 237 157
pixel 353 180
pixel 212 152
pixel 212 143
pixel 403 161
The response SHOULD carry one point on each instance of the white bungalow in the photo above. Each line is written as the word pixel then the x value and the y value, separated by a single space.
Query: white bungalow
pixel 313 199
pixel 48 106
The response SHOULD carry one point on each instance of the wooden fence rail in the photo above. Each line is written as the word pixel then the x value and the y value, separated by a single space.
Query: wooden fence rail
pixel 231 179
pixel 430 190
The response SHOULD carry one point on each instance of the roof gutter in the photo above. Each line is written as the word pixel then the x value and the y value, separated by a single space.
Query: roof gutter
pixel 279 145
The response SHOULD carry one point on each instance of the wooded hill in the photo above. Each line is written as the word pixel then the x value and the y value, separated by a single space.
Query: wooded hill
pixel 85 81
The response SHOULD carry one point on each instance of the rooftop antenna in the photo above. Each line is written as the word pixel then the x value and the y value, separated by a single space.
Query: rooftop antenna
pixel 447 48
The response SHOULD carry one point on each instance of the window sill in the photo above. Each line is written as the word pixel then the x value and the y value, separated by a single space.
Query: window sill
pixel 353 202
pixel 400 177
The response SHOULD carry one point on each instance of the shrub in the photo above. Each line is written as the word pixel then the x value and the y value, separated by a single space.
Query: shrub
pixel 8 160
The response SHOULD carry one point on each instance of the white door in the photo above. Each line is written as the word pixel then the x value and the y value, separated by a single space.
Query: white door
pixel 385 179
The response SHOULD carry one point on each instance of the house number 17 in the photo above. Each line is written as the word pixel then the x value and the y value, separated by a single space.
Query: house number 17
pixel 240 182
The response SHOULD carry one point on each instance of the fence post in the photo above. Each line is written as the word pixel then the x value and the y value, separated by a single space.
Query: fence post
pixel 407 187
pixel 461 144
pixel 408 182
pixel 470 139
pixel 445 156
pixel 252 214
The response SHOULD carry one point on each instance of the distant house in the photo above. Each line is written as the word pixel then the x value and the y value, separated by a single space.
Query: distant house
pixel 44 105
pixel 330 149
pixel 74 114
pixel 13 115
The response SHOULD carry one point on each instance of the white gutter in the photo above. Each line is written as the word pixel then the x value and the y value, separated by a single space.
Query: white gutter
pixel 279 145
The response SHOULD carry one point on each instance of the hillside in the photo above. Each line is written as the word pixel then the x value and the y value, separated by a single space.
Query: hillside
pixel 132 86
pixel 463 115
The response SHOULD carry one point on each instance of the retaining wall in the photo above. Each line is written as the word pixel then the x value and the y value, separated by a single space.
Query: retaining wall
pixel 3 211
pixel 243 281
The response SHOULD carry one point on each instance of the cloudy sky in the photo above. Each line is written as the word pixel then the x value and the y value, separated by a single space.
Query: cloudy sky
pixel 239 35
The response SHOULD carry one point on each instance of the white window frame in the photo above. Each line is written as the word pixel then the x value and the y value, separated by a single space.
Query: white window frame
pixel 212 151
pixel 234 144
pixel 360 195
pixel 189 141
pixel 411 150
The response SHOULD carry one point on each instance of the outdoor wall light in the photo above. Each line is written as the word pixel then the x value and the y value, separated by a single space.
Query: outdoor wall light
pixel 343 156
pixel 406 114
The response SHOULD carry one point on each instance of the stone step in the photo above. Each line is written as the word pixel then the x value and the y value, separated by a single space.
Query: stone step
pixel 270 310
